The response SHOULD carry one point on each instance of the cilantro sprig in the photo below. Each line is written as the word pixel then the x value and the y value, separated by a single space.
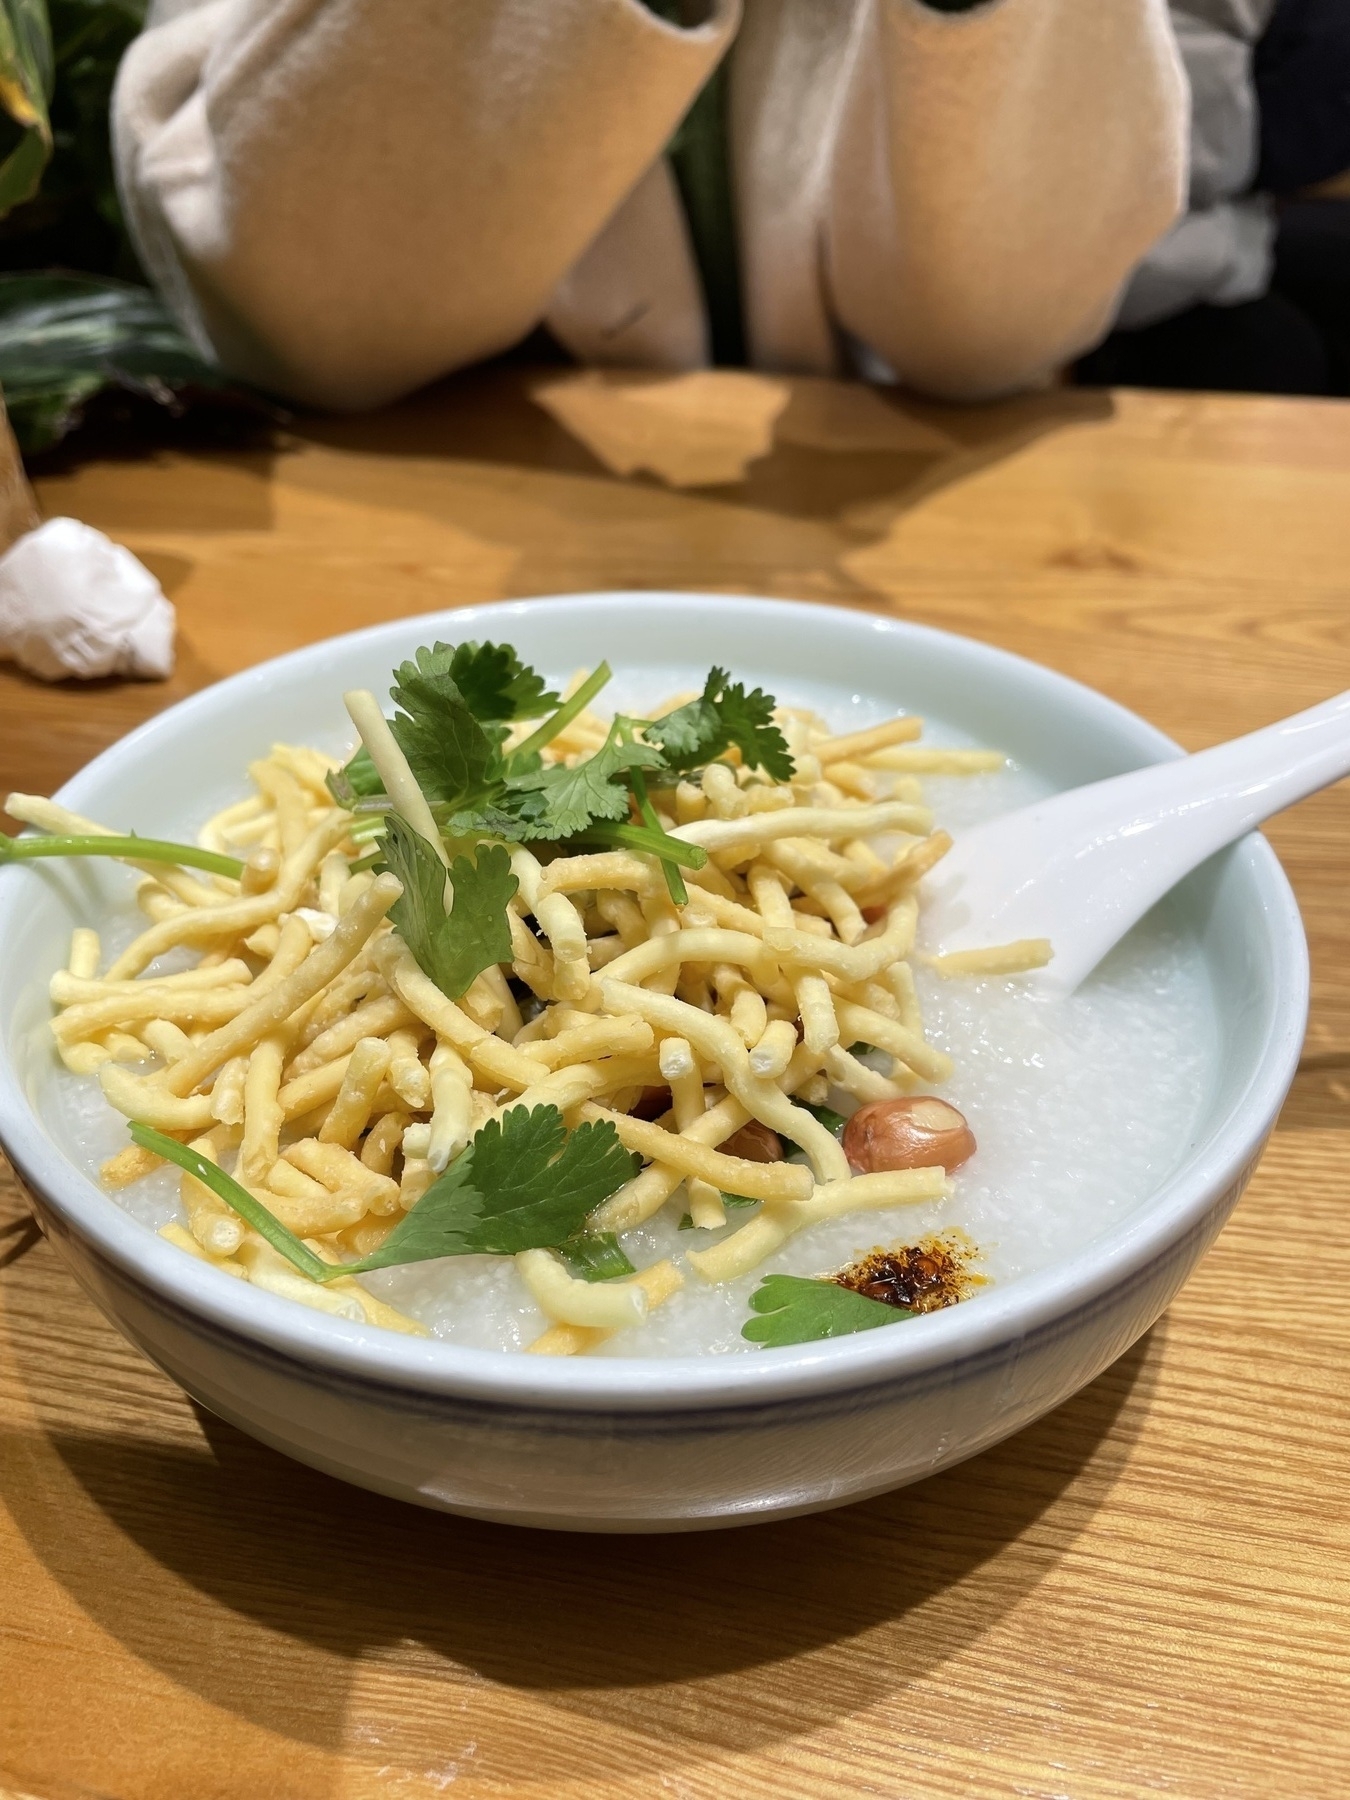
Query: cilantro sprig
pixel 137 849
pixel 454 703
pixel 523 1183
pixel 571 800
pixel 238 1198
pixel 454 706
pixel 724 716
pixel 455 946
pixel 796 1309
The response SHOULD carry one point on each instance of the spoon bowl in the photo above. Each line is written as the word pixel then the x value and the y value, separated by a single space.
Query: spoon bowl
pixel 1080 868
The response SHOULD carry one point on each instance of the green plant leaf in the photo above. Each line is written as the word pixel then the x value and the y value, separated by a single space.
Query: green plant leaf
pixel 747 720
pixel 452 740
pixel 21 170
pixel 64 337
pixel 511 817
pixel 455 946
pixel 792 1309
pixel 524 1183
pixel 686 733
pixel 454 703
pixel 26 77
pixel 74 220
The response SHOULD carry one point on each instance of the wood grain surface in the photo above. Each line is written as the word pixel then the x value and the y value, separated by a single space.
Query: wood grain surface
pixel 1144 1593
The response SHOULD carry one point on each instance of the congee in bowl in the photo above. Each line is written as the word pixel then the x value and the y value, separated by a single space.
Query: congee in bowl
pixel 577 1012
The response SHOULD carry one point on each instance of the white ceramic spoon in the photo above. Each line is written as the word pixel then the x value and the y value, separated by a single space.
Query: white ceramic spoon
pixel 1081 867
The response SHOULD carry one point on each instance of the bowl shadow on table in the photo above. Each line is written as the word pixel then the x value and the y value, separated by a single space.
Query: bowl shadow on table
pixel 251 1562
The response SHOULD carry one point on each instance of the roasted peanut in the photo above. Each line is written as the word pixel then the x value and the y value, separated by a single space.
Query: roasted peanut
pixel 756 1142
pixel 915 1132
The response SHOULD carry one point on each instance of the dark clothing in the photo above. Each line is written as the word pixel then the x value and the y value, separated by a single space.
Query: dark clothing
pixel 1293 340
pixel 1302 69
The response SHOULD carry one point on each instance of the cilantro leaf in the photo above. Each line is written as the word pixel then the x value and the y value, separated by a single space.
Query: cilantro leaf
pixel 453 704
pixel 747 720
pixel 496 684
pixel 687 733
pixel 453 758
pixel 794 1309
pixel 454 701
pixel 723 715
pixel 595 1256
pixel 525 1182
pixel 503 817
pixel 454 947
pixel 490 679
pixel 574 798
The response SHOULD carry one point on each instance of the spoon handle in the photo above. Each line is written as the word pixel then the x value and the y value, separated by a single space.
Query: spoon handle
pixel 1082 867
pixel 1253 777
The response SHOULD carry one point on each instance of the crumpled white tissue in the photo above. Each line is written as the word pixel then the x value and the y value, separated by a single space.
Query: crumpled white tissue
pixel 74 603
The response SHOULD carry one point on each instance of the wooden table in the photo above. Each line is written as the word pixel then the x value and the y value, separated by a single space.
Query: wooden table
pixel 1145 1592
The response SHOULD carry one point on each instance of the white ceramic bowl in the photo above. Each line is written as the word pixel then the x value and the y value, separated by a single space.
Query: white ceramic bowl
pixel 633 1445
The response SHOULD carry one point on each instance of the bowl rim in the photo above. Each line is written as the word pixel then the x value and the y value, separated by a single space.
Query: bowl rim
pixel 1002 1316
